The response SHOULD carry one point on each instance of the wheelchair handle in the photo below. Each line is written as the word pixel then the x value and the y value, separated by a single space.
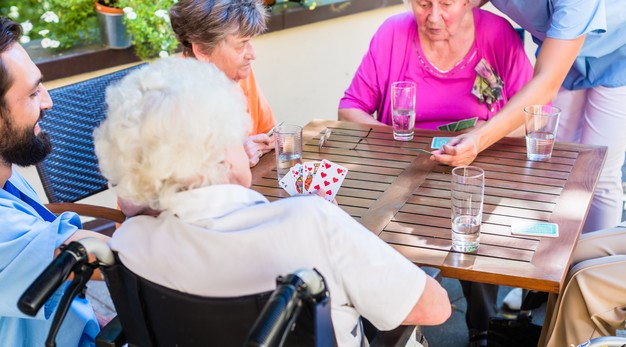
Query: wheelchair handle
pixel 51 278
pixel 283 307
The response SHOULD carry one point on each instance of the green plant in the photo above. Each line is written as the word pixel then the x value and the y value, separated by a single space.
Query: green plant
pixel 148 22
pixel 60 24
pixel 110 3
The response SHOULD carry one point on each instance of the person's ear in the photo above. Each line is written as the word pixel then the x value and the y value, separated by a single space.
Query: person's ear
pixel 198 52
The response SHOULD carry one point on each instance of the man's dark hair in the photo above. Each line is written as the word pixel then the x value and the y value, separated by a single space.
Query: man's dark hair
pixel 10 33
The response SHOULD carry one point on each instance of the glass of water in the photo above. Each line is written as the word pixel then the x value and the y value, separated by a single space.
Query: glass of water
pixel 288 147
pixel 403 110
pixel 468 191
pixel 541 125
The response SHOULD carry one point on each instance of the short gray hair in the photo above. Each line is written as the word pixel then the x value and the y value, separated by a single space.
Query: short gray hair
pixel 207 22
pixel 166 130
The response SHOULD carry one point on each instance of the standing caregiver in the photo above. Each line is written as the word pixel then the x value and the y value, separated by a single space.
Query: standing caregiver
pixel 580 68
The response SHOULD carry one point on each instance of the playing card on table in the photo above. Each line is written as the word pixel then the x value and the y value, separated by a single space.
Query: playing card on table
pixel 531 228
pixel 328 179
pixel 309 169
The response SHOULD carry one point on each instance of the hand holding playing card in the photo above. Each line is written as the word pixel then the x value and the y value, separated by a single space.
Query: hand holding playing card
pixel 458 151
pixel 322 178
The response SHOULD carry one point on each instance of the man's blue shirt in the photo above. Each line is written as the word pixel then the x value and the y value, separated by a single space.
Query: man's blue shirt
pixel 28 239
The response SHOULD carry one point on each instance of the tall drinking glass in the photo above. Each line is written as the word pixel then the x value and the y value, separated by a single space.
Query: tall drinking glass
pixel 541 124
pixel 403 110
pixel 288 148
pixel 468 189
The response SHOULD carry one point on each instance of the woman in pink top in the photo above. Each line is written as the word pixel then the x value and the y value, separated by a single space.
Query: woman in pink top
pixel 466 63
pixel 439 46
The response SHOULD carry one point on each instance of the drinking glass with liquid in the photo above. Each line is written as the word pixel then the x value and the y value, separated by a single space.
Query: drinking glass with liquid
pixel 403 110
pixel 288 148
pixel 468 191
pixel 541 125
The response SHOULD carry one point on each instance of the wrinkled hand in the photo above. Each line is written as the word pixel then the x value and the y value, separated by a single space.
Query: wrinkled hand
pixel 459 151
pixel 257 145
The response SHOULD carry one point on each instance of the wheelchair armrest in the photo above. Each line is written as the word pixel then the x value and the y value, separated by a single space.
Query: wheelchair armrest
pixel 397 337
pixel 111 335
pixel 88 210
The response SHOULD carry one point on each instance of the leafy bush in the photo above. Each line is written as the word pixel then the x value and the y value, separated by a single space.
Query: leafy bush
pixel 148 22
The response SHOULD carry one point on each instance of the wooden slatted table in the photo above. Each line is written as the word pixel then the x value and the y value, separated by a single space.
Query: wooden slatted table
pixel 404 198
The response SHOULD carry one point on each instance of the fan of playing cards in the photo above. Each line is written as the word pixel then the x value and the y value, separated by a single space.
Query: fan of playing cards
pixel 310 177
pixel 460 125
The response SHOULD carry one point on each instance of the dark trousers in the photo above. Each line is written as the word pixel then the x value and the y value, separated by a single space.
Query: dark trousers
pixel 481 304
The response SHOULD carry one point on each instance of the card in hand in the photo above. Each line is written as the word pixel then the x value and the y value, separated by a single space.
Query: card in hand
pixel 448 127
pixel 466 123
pixel 309 169
pixel 530 228
pixel 329 178
pixel 438 142
pixel 292 182
pixel 459 125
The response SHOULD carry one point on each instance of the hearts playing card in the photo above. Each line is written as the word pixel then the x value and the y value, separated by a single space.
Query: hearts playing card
pixel 329 178
pixel 309 170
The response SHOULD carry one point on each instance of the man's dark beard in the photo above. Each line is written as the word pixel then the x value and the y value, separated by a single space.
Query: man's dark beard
pixel 21 146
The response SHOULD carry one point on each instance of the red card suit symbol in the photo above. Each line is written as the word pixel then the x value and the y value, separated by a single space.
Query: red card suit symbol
pixel 317 187
pixel 323 174
pixel 339 171
pixel 327 165
pixel 329 192
pixel 326 183
pixel 335 179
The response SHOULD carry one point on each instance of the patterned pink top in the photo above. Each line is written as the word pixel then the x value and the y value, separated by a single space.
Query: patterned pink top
pixel 395 54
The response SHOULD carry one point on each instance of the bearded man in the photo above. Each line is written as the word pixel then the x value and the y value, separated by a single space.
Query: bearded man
pixel 29 233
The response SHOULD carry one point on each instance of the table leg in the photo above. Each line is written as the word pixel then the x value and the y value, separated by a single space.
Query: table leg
pixel 550 306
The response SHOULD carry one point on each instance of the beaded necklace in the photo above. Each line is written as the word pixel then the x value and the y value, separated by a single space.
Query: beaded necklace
pixel 433 69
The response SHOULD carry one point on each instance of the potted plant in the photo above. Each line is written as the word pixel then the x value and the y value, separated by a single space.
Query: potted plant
pixel 148 22
pixel 59 24
pixel 112 29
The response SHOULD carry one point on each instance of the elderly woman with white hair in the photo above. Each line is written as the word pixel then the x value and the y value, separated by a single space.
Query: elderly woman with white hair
pixel 465 62
pixel 173 139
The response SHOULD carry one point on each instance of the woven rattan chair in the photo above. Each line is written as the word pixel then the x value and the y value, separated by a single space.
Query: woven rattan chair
pixel 70 173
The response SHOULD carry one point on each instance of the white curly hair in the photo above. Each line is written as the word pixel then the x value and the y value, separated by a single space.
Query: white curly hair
pixel 166 130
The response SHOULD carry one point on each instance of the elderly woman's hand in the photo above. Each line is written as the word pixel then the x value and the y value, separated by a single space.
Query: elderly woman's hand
pixel 459 151
pixel 257 145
